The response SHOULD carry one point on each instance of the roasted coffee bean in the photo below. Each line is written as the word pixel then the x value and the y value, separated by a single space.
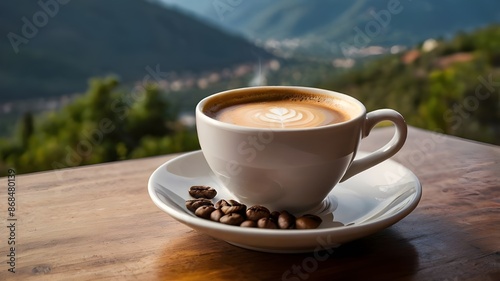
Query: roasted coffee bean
pixel 248 223
pixel 216 215
pixel 194 204
pixel 232 219
pixel 221 203
pixel 257 212
pixel 308 222
pixel 266 223
pixel 286 220
pixel 234 202
pixel 202 191
pixel 235 207
pixel 204 211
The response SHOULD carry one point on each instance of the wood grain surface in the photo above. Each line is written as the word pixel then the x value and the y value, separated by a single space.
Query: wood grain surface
pixel 98 223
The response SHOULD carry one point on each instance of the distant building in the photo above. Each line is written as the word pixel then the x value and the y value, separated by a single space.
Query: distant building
pixel 410 56
pixel 429 45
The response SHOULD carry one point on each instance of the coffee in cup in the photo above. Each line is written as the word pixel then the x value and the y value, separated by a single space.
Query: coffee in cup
pixel 273 109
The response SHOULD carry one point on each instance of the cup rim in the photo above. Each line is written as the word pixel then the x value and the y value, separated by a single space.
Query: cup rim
pixel 200 114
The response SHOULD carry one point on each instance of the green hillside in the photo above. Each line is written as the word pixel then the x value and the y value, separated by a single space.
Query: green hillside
pixel 53 50
pixel 454 89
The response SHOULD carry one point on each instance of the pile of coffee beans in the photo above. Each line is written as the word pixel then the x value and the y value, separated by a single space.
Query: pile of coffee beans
pixel 234 213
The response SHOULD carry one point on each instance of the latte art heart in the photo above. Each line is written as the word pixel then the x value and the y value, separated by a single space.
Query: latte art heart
pixel 282 114
pixel 283 117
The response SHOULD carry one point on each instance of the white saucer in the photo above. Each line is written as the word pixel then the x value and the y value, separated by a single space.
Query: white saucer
pixel 360 206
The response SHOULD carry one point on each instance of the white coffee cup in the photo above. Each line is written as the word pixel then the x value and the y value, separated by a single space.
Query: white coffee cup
pixel 290 169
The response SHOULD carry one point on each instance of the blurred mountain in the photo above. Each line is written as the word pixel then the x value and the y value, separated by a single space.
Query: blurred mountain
pixel 329 27
pixel 51 47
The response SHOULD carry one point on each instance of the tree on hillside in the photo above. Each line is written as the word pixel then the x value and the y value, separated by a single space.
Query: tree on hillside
pixel 151 115
pixel 26 128
pixel 105 124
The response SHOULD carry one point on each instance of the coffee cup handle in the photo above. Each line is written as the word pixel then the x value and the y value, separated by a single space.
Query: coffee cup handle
pixel 385 152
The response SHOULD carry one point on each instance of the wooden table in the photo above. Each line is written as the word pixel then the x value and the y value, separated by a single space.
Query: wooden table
pixel 98 223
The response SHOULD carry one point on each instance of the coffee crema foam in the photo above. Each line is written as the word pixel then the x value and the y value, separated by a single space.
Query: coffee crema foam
pixel 280 114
